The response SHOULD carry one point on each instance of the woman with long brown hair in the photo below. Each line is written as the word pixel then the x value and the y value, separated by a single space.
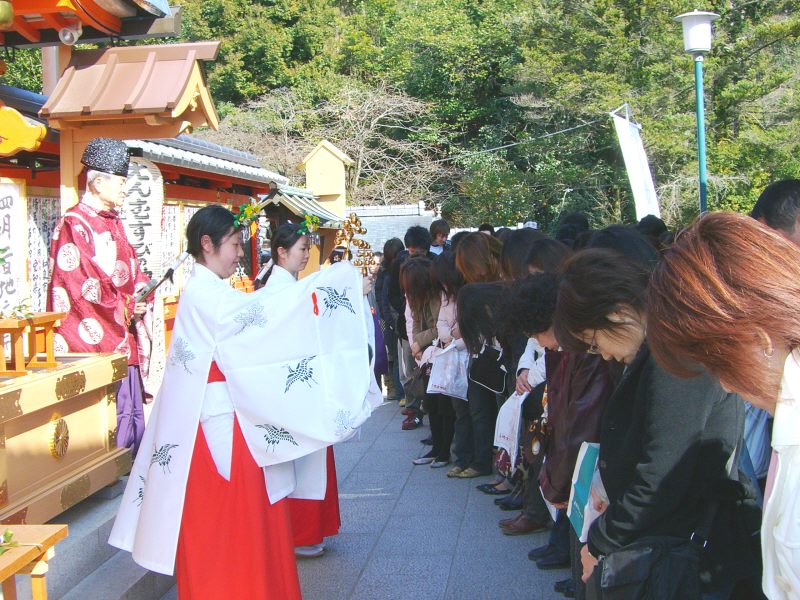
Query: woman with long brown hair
pixel 478 259
pixel 424 301
pixel 725 297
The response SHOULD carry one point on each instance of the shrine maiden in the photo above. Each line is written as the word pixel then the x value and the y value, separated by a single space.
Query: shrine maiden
pixel 312 520
pixel 252 380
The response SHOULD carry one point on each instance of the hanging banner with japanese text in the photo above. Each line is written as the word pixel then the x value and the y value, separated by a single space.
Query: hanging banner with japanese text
pixel 14 242
pixel 644 192
pixel 43 214
pixel 141 214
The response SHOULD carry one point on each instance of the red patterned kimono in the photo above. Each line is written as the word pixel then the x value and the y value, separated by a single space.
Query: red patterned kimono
pixel 94 275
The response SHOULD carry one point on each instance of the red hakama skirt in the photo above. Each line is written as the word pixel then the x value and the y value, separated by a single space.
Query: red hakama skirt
pixel 233 543
pixel 313 520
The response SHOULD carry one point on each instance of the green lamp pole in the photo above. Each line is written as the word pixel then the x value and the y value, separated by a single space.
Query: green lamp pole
pixel 697 41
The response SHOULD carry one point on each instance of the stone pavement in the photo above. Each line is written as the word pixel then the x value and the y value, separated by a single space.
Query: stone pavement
pixel 410 533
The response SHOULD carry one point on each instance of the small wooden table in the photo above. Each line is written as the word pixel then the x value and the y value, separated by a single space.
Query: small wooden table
pixel 42 324
pixel 36 547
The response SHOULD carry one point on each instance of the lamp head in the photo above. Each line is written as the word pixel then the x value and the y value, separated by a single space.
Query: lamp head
pixel 70 34
pixel 697 30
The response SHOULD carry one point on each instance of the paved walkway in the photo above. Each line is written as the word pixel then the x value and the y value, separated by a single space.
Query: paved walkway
pixel 410 533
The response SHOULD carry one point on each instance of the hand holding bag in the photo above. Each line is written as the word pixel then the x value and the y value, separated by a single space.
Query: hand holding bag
pixel 449 372
pixel 488 370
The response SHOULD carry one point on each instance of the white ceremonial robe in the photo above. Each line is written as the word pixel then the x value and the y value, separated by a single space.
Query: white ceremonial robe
pixel 780 525
pixel 297 372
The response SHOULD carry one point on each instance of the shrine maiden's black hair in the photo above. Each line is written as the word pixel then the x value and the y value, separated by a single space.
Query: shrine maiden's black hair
pixel 213 220
pixel 285 236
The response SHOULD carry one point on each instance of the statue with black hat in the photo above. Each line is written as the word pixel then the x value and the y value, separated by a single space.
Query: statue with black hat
pixel 95 276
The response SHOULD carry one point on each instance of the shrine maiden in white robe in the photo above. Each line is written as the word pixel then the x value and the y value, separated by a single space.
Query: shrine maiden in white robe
pixel 298 377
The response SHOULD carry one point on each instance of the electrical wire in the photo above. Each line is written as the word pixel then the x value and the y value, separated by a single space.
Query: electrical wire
pixel 511 145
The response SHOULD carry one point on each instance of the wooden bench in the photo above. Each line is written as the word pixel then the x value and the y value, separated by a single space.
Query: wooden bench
pixel 36 546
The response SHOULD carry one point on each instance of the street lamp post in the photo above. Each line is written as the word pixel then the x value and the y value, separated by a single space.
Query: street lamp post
pixel 697 41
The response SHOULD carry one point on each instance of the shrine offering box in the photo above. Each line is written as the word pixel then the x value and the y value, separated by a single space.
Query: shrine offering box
pixel 58 436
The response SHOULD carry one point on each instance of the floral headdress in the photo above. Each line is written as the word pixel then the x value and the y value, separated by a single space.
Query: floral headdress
pixel 247 214
pixel 308 225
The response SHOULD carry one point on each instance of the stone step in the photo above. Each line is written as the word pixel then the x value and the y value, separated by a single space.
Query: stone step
pixel 119 578
pixel 86 547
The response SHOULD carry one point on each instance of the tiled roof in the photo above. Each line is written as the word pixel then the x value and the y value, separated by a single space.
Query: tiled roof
pixel 301 201
pixel 392 210
pixel 185 150
pixel 192 153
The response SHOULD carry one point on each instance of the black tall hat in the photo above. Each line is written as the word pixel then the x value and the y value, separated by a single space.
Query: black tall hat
pixel 107 156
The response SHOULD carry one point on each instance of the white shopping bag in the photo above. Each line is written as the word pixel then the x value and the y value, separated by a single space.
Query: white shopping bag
pixel 449 372
pixel 507 425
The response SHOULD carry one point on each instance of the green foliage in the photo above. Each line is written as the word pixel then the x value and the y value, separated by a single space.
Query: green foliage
pixel 7 541
pixel 25 71
pixel 508 73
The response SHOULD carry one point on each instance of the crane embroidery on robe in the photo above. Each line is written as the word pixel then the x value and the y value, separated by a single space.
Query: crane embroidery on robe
pixel 275 435
pixel 335 299
pixel 344 422
pixel 140 494
pixel 252 316
pixel 162 456
pixel 302 372
pixel 180 354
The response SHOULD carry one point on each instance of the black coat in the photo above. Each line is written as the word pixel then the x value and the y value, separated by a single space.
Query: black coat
pixel 665 444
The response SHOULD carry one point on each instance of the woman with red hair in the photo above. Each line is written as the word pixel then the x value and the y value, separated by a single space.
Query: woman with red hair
pixel 725 297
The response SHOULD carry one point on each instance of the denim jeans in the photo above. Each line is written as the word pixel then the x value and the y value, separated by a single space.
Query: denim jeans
pixel 407 368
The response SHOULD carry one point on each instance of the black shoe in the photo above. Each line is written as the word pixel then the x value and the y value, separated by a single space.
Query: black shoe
pixel 491 489
pixel 512 503
pixel 569 590
pixel 428 441
pixel 498 501
pixel 551 561
pixel 562 585
pixel 539 552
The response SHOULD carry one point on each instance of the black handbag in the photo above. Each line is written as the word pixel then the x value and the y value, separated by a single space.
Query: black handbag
pixel 488 370
pixel 654 568
pixel 657 568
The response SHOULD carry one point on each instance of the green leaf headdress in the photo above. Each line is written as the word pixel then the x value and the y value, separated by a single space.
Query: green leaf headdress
pixel 308 225
pixel 246 215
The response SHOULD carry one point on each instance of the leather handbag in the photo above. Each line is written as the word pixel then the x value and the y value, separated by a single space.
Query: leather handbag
pixel 535 436
pixel 487 369
pixel 534 439
pixel 656 568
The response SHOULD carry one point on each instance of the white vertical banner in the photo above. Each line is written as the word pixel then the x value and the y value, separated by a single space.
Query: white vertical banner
pixel 13 237
pixel 639 175
pixel 141 214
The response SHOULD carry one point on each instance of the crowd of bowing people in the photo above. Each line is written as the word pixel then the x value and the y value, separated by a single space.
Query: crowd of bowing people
pixel 678 353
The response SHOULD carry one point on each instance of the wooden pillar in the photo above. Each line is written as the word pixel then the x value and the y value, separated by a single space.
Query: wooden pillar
pixel 70 168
